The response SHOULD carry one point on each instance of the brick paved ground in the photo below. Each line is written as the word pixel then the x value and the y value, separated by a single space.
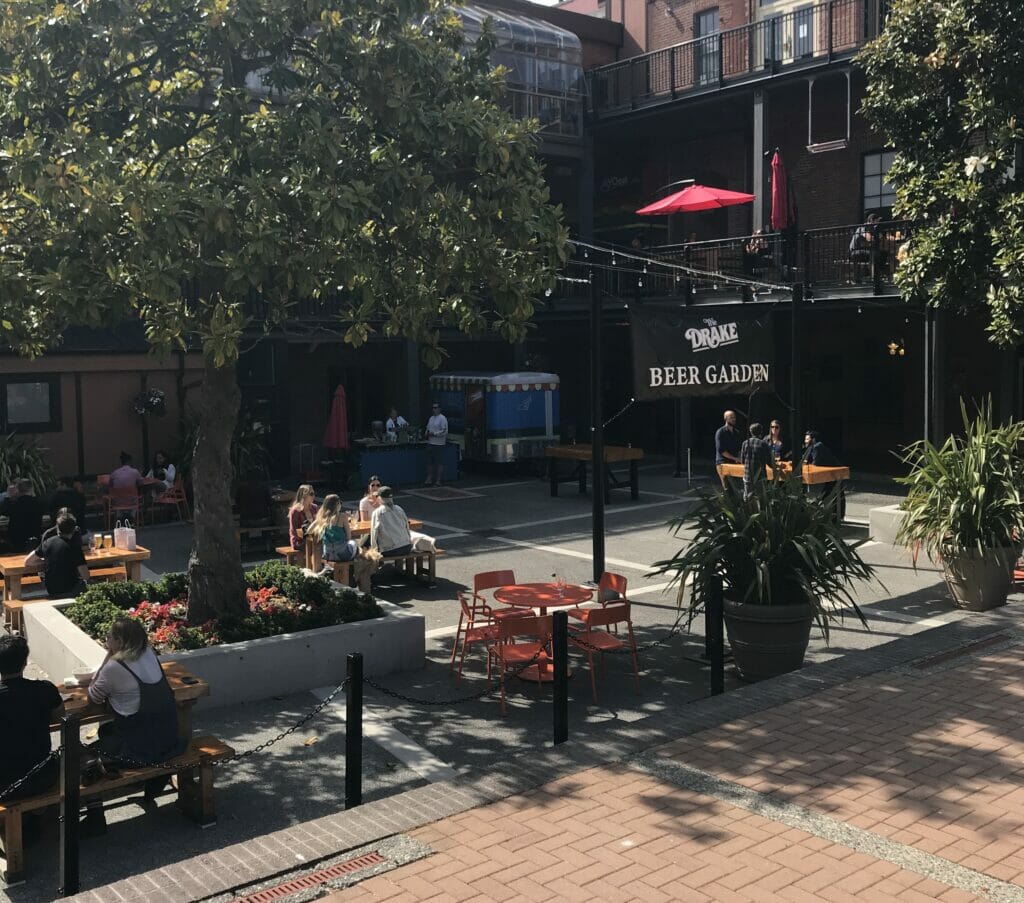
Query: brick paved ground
pixel 907 785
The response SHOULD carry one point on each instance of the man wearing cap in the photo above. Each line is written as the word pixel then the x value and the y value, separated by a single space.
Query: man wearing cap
pixel 389 527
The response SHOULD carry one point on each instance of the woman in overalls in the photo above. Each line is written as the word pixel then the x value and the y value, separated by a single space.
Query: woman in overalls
pixel 131 681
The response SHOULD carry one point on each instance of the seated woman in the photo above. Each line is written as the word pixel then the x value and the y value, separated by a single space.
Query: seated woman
pixel 301 515
pixel 162 469
pixel 371 501
pixel 389 527
pixel 331 528
pixel 145 725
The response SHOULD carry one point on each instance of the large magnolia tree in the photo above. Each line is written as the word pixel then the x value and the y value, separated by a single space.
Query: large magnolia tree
pixel 945 87
pixel 204 165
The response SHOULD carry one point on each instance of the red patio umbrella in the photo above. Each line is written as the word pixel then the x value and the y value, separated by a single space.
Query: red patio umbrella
pixel 696 197
pixel 336 434
pixel 783 208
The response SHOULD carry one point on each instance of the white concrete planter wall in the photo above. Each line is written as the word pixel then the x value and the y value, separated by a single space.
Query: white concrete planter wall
pixel 255 669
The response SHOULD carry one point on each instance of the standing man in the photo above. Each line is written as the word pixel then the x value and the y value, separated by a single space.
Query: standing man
pixel 756 455
pixel 437 439
pixel 728 441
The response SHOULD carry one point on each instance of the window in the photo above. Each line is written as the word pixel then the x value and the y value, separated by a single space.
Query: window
pixel 803 32
pixel 705 58
pixel 30 404
pixel 878 195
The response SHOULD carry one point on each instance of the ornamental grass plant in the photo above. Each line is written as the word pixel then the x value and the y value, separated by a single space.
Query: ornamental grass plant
pixel 965 496
pixel 778 547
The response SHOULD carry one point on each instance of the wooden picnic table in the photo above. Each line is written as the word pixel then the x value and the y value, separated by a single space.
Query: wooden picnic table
pixel 187 688
pixel 13 567
pixel 361 528
pixel 582 454
pixel 810 474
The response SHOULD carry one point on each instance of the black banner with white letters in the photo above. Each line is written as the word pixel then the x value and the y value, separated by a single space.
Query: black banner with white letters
pixel 686 354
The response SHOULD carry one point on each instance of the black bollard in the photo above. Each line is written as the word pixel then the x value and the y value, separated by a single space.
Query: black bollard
pixel 560 646
pixel 714 632
pixel 70 779
pixel 354 732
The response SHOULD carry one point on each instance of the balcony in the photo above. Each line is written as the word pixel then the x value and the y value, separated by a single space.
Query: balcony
pixel 839 262
pixel 811 36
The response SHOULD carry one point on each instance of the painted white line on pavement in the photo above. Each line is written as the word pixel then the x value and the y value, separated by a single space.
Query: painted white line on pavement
pixel 869 543
pixel 557 520
pixel 388 737
pixel 568 553
pixel 441 632
pixel 500 485
pixel 906 619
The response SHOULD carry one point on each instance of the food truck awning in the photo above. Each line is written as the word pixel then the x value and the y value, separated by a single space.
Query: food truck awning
pixel 497 382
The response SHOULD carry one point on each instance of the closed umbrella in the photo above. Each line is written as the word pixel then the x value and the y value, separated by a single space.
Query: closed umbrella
pixel 694 198
pixel 336 434
pixel 783 207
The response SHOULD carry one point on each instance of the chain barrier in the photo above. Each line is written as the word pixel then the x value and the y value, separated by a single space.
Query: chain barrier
pixel 35 769
pixel 472 697
pixel 230 760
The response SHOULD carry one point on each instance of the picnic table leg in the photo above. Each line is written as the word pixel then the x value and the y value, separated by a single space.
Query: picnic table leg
pixel 634 480
pixel 185 719
pixel 12 587
pixel 134 570
pixel 14 851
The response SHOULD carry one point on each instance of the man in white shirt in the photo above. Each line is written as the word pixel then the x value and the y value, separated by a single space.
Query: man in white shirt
pixel 389 526
pixel 395 422
pixel 437 438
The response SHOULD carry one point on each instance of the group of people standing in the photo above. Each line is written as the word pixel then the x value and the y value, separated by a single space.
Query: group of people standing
pixel 761 450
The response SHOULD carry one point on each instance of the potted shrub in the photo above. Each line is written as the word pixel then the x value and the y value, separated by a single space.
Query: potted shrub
pixel 783 563
pixel 964 507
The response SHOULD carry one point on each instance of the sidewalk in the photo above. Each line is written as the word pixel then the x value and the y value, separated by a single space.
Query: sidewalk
pixel 907 784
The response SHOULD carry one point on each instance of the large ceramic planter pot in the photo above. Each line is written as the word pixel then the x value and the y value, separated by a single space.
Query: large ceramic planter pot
pixel 980 581
pixel 767 640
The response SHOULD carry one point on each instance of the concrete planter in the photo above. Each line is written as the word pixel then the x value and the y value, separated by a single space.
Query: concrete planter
pixel 256 669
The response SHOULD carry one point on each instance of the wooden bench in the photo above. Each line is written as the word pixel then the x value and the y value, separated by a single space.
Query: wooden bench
pixel 291 556
pixel 13 607
pixel 194 772
pixel 416 564
pixel 262 532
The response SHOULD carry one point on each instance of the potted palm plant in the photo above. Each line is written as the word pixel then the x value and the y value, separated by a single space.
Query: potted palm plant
pixel 783 565
pixel 964 507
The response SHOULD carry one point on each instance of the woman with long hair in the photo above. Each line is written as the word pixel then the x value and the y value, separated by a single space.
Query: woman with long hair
pixel 331 528
pixel 371 501
pixel 300 515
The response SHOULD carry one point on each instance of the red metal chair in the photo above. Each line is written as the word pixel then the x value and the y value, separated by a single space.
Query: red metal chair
pixel 508 652
pixel 476 625
pixel 123 503
pixel 495 580
pixel 610 588
pixel 175 496
pixel 591 640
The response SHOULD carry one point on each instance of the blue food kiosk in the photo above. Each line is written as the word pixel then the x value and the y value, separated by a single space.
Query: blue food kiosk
pixel 499 417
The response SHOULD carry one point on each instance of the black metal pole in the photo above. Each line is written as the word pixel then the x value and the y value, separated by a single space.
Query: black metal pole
pixel 678 420
pixel 560 648
pixel 795 427
pixel 714 631
pixel 70 802
pixel 354 732
pixel 928 366
pixel 597 419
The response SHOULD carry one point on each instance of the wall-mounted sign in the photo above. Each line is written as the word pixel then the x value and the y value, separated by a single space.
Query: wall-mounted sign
pixel 685 354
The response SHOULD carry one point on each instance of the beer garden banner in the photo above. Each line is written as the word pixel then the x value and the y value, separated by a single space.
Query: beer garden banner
pixel 684 354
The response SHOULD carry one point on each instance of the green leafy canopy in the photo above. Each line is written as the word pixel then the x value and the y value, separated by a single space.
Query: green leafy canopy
pixel 945 89
pixel 144 171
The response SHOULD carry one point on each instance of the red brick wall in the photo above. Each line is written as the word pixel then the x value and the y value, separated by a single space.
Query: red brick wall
pixel 827 185
pixel 671 21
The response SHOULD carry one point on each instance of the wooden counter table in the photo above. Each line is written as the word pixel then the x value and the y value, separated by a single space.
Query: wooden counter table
pixel 582 454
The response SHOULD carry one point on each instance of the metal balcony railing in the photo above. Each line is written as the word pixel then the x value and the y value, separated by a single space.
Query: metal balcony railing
pixel 821 33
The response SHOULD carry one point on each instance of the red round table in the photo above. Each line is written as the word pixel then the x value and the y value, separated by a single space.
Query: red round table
pixel 542 595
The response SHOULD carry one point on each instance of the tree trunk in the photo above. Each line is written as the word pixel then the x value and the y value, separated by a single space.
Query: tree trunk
pixel 216 584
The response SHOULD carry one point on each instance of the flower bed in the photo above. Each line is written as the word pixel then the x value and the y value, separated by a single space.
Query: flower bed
pixel 281 599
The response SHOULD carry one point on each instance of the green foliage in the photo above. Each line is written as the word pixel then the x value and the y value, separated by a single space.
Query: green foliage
pixel 312 603
pixel 21 456
pixel 779 547
pixel 141 175
pixel 944 88
pixel 965 495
